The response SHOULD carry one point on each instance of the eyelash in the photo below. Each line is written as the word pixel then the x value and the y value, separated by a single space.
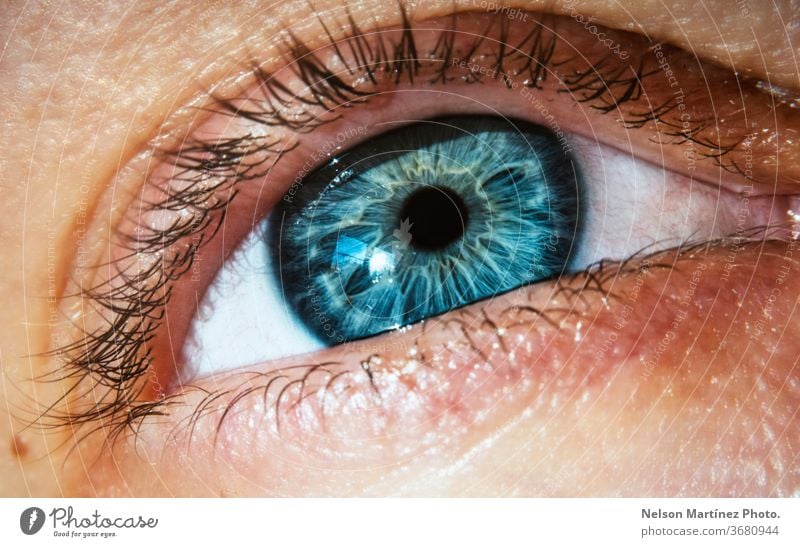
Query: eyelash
pixel 117 355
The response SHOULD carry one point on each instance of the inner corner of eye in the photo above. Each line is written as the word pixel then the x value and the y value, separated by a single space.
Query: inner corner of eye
pixel 411 224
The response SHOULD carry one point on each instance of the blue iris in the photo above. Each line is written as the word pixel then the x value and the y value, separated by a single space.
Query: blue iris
pixel 422 220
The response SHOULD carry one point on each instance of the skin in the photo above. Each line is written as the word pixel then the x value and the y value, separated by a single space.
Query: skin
pixel 86 87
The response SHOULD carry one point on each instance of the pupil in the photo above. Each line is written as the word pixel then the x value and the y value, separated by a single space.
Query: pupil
pixel 438 217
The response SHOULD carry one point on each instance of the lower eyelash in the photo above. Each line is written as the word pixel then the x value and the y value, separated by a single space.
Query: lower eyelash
pixel 286 389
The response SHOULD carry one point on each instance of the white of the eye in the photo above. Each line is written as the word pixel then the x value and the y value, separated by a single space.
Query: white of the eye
pixel 244 319
pixel 632 205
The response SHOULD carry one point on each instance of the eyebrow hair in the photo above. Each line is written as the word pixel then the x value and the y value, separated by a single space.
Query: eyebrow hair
pixel 118 355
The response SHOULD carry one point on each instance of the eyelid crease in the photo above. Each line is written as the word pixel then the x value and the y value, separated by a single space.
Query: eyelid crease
pixel 116 355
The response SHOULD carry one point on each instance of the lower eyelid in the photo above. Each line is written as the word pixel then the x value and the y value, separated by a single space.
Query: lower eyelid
pixel 470 371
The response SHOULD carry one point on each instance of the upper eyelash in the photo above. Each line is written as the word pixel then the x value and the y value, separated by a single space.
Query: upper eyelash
pixel 116 355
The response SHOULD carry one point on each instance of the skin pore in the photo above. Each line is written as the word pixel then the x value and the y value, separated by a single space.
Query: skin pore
pixel 88 86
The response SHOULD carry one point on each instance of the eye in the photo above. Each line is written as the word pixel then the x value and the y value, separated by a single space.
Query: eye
pixel 416 222
pixel 429 214
pixel 409 230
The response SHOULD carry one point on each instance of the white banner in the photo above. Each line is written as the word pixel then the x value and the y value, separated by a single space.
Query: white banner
pixel 401 522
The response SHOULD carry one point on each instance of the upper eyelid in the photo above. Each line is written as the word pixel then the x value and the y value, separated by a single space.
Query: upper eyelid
pixel 226 157
pixel 604 87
